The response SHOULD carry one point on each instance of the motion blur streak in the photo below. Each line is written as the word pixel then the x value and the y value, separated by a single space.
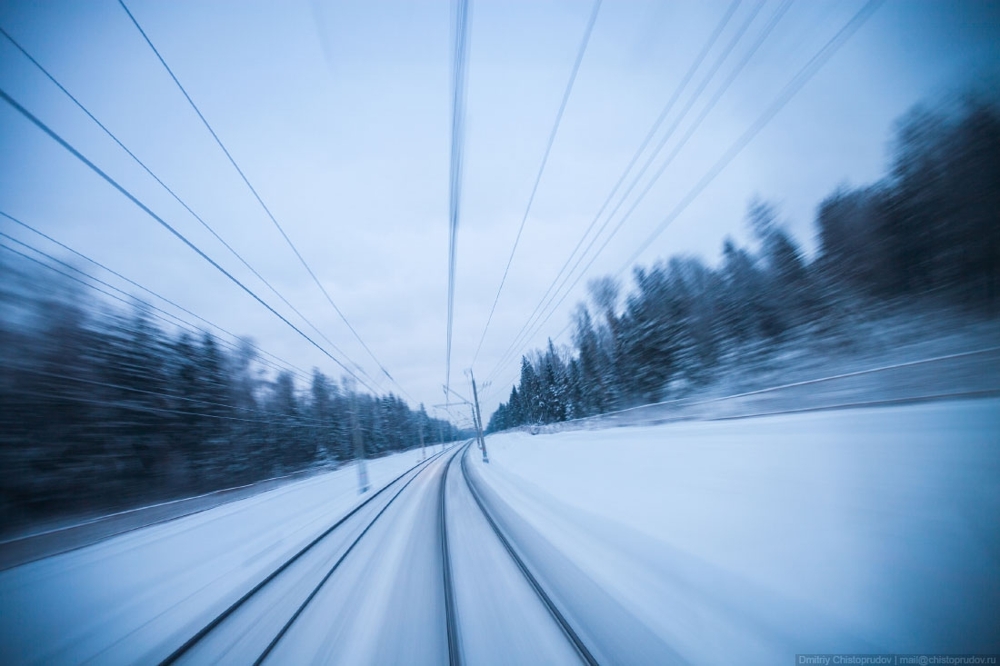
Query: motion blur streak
pixel 768 427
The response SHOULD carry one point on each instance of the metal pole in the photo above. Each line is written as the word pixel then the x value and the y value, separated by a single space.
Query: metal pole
pixel 475 426
pixel 359 448
pixel 479 419
pixel 423 451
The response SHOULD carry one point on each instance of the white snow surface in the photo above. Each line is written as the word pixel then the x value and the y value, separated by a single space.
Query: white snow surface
pixel 132 598
pixel 711 542
pixel 868 530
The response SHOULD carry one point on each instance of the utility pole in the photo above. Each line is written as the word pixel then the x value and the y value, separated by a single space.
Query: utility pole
pixel 421 419
pixel 478 418
pixel 445 389
pixel 359 448
pixel 420 431
pixel 475 426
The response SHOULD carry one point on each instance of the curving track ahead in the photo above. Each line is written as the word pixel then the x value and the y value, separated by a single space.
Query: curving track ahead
pixel 257 624
pixel 431 569
pixel 419 573
pixel 458 562
pixel 504 615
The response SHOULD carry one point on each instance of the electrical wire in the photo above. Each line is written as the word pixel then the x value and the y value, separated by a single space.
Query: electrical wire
pixel 287 366
pixel 459 64
pixel 257 196
pixel 734 73
pixel 161 314
pixel 727 50
pixel 176 197
pixel 111 181
pixel 713 37
pixel 581 50
pixel 795 84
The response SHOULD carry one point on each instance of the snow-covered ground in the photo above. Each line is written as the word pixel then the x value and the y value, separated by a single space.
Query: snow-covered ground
pixel 712 542
pixel 117 600
pixel 860 530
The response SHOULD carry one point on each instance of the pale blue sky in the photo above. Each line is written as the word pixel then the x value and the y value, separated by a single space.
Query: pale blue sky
pixel 339 114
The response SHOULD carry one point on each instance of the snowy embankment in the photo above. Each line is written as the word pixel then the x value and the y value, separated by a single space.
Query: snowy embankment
pixel 115 600
pixel 962 374
pixel 751 540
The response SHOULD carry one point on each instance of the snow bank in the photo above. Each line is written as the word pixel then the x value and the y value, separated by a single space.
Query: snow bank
pixel 867 530
pixel 128 598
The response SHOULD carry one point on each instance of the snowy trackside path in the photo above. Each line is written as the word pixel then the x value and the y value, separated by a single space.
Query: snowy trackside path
pixel 861 530
pixel 136 593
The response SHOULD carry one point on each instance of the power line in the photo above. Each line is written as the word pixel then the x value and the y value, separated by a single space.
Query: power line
pixel 182 202
pixel 258 197
pixel 459 63
pixel 790 90
pixel 285 365
pixel 585 41
pixel 762 36
pixel 635 157
pixel 794 85
pixel 730 47
pixel 696 124
pixel 546 299
pixel 111 181
pixel 159 313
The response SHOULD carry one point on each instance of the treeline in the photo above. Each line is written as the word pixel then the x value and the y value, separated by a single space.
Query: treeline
pixel 102 408
pixel 927 234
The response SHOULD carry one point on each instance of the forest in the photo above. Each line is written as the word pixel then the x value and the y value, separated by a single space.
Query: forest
pixel 107 404
pixel 927 234
pixel 106 407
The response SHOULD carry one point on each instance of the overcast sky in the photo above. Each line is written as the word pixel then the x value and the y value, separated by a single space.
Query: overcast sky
pixel 339 114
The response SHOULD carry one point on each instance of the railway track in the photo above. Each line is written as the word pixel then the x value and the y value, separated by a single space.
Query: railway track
pixel 572 636
pixel 451 615
pixel 282 596
pixel 441 565
pixel 252 627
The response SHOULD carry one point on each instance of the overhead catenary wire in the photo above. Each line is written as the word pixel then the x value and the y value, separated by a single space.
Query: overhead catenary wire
pixel 266 417
pixel 287 366
pixel 584 260
pixel 713 37
pixel 124 297
pixel 551 295
pixel 794 85
pixel 692 128
pixel 460 48
pixel 787 93
pixel 260 201
pixel 111 181
pixel 581 51
pixel 791 88
pixel 706 79
pixel 184 204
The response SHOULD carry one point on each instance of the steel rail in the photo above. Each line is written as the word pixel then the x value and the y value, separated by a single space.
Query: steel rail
pixel 221 617
pixel 571 634
pixel 451 617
